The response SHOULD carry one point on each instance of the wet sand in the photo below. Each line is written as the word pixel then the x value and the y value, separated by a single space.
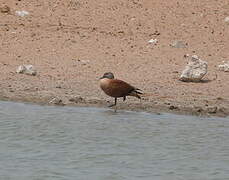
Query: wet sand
pixel 73 43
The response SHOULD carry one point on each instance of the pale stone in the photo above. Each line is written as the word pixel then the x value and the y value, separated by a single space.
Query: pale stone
pixel 153 41
pixel 56 101
pixel 179 44
pixel 224 67
pixel 22 13
pixel 26 69
pixel 194 70
pixel 226 19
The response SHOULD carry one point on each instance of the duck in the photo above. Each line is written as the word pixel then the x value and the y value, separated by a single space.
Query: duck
pixel 117 88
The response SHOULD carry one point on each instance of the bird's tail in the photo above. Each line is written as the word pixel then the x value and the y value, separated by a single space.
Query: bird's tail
pixel 136 93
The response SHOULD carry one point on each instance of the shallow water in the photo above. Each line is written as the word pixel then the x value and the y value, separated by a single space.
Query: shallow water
pixel 46 142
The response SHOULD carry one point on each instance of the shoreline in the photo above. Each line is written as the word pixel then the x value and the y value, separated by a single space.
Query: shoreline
pixel 143 106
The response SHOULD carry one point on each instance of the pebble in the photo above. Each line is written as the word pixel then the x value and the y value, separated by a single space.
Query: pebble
pixel 198 109
pixel 172 107
pixel 5 9
pixel 153 41
pixel 26 69
pixel 226 20
pixel 77 99
pixel 58 86
pixel 212 109
pixel 22 13
pixel 56 101
pixel 224 67
pixel 223 110
pixel 83 62
pixel 179 44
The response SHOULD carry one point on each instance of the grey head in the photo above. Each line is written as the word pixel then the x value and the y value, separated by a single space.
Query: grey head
pixel 108 75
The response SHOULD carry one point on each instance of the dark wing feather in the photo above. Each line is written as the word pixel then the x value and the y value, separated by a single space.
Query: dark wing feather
pixel 119 88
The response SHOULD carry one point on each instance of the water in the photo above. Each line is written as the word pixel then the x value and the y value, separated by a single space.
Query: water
pixel 69 143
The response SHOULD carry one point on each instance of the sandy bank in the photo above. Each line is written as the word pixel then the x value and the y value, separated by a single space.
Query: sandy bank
pixel 72 43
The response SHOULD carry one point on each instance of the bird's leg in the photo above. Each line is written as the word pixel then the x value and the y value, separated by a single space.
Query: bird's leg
pixel 115 110
pixel 124 98
pixel 114 103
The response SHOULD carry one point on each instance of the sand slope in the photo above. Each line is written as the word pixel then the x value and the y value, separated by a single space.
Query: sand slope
pixel 72 43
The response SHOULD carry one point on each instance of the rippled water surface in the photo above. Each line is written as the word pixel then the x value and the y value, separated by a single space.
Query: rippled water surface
pixel 69 143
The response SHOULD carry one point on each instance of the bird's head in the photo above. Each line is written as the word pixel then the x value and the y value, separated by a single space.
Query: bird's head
pixel 108 75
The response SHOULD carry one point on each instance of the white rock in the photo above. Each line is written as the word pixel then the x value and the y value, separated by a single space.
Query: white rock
pixel 227 19
pixel 194 70
pixel 56 101
pixel 83 62
pixel 26 69
pixel 153 41
pixel 22 13
pixel 178 44
pixel 224 67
